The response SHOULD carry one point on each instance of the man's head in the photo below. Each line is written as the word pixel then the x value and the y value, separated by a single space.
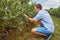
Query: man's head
pixel 38 7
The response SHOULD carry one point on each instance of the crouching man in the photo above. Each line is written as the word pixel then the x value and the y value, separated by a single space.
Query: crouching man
pixel 47 25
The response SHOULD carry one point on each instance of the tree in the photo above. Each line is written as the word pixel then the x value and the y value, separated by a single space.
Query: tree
pixel 11 13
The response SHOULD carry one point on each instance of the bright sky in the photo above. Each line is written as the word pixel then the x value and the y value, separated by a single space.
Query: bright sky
pixel 48 3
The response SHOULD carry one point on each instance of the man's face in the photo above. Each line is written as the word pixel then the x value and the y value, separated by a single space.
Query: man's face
pixel 36 9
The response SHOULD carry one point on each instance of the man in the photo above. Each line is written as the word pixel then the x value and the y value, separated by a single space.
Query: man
pixel 47 26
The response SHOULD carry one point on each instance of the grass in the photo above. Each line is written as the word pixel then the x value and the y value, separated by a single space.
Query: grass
pixel 56 35
pixel 27 35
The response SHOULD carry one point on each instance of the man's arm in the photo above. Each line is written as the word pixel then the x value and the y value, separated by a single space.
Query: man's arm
pixel 34 22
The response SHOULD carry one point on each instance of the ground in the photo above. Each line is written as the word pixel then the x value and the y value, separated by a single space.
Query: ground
pixel 27 35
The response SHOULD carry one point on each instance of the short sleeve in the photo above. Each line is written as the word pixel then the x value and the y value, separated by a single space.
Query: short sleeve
pixel 38 17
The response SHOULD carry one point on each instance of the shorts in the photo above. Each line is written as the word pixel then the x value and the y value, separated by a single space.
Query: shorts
pixel 42 30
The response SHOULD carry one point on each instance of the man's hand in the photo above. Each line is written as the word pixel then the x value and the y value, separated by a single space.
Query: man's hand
pixel 34 22
pixel 31 19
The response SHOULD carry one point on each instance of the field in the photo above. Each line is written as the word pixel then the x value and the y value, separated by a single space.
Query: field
pixel 18 27
pixel 27 35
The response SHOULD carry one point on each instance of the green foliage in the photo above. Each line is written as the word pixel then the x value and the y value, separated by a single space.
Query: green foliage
pixel 55 11
pixel 11 16
pixel 11 13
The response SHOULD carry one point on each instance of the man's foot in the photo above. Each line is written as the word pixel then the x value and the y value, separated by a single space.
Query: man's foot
pixel 48 37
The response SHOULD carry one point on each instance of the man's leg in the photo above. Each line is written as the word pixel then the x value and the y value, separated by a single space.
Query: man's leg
pixel 42 31
pixel 38 33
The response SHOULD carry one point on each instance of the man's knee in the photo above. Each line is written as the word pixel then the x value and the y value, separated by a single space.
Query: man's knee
pixel 33 30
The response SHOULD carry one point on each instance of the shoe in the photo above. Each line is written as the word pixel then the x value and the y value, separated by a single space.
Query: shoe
pixel 48 37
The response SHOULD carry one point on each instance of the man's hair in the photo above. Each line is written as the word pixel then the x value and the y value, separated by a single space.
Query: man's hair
pixel 39 6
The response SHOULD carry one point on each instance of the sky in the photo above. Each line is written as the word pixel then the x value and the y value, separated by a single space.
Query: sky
pixel 48 3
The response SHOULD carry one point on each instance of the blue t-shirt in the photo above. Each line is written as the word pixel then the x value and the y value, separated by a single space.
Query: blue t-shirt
pixel 45 19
